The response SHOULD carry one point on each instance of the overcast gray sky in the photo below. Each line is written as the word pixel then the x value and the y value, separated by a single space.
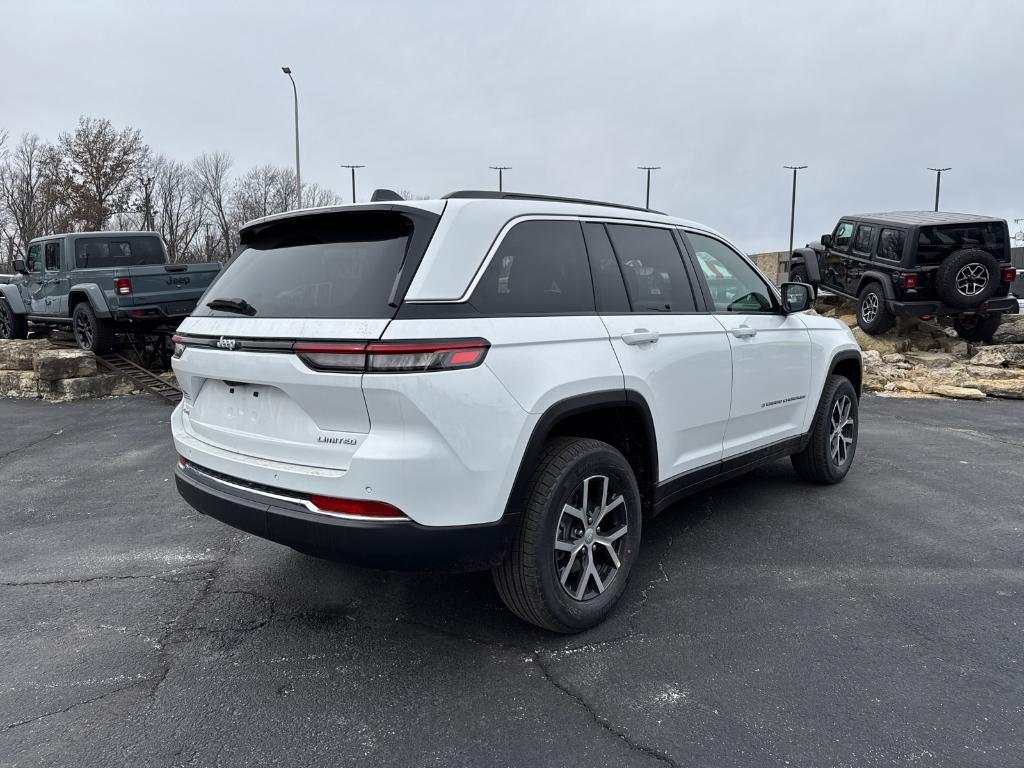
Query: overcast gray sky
pixel 572 95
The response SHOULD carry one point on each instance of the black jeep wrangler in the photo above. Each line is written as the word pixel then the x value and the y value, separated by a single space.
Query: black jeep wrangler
pixel 922 264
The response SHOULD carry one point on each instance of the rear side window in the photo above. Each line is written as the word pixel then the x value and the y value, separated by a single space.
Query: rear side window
pixel 52 251
pixel 843 235
pixel 652 267
pixel 540 267
pixel 890 244
pixel 862 242
pixel 936 243
pixel 328 266
pixel 129 251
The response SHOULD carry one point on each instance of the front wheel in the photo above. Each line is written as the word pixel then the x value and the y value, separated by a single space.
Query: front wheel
pixel 578 538
pixel 830 449
pixel 12 325
pixel 979 327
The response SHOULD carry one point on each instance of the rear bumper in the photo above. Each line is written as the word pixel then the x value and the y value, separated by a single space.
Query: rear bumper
pixel 150 312
pixel 919 308
pixel 397 545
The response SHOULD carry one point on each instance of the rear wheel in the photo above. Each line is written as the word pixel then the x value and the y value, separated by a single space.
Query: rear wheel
pixel 829 453
pixel 977 327
pixel 873 314
pixel 12 325
pixel 92 333
pixel 798 274
pixel 578 538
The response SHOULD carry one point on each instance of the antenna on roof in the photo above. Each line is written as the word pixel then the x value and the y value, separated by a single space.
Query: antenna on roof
pixel 385 195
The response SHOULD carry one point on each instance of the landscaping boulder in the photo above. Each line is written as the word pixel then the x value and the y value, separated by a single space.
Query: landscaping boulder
pixel 19 384
pixel 1011 330
pixel 18 354
pixel 948 390
pixel 1004 355
pixel 883 344
pixel 56 364
pixel 79 388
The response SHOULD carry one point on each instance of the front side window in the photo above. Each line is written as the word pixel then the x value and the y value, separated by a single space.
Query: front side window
pixel 540 267
pixel 52 251
pixel 735 285
pixel 843 235
pixel 34 262
pixel 862 242
pixel 890 244
pixel 122 251
pixel 652 267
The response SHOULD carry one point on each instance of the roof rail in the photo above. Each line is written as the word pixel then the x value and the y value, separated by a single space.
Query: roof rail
pixel 475 194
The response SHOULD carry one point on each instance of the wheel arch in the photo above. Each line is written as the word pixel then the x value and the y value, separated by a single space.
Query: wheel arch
pixel 874 276
pixel 847 363
pixel 88 292
pixel 13 297
pixel 621 418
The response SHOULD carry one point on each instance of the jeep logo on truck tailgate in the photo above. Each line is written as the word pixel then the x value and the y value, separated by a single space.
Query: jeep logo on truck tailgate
pixel 178 282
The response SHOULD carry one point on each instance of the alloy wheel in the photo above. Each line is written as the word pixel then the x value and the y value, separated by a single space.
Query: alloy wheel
pixel 83 331
pixel 841 430
pixel 590 541
pixel 869 308
pixel 972 279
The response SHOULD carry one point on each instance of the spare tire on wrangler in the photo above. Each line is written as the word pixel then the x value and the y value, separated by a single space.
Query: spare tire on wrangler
pixel 967 278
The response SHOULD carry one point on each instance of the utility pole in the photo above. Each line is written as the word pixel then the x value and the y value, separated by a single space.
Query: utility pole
pixel 648 168
pixel 938 182
pixel 353 169
pixel 500 169
pixel 298 174
pixel 792 206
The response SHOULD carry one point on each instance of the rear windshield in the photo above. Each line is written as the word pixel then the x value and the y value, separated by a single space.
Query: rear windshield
pixel 936 243
pixel 329 266
pixel 129 251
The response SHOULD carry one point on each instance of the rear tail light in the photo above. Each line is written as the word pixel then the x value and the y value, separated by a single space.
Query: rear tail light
pixel 908 281
pixel 1009 274
pixel 179 346
pixel 393 357
pixel 372 510
pixel 123 286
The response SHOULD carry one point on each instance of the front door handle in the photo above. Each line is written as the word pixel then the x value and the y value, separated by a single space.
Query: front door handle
pixel 744 332
pixel 640 336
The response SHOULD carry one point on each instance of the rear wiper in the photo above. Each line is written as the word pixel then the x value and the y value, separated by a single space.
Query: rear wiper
pixel 240 306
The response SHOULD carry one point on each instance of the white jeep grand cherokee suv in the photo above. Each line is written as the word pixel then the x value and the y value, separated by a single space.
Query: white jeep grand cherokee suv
pixel 498 381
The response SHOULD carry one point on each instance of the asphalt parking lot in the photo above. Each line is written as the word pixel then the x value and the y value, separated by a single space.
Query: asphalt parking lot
pixel 879 622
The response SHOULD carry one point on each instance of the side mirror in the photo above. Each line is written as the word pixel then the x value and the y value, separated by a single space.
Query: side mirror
pixel 796 297
pixel 19 266
pixel 826 240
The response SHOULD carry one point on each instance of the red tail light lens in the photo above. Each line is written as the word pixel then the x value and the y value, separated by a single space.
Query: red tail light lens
pixel 908 281
pixel 123 286
pixel 1009 274
pixel 373 510
pixel 393 357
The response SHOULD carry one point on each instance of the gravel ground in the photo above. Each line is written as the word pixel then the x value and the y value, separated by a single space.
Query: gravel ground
pixel 878 622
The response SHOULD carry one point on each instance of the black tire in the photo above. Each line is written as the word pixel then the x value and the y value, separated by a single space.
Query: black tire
pixel 92 333
pixel 873 314
pixel 798 274
pixel 528 579
pixel 978 327
pixel 967 278
pixel 817 462
pixel 12 325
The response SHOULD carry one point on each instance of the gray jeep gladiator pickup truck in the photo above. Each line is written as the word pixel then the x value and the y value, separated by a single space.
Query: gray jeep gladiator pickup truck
pixel 99 283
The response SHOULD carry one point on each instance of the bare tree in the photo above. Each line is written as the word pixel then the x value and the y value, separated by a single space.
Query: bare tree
pixel 179 200
pixel 213 177
pixel 97 167
pixel 23 194
pixel 314 196
pixel 260 192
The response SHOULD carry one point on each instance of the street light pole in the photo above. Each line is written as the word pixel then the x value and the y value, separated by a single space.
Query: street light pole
pixel 298 174
pixel 500 169
pixel 353 169
pixel 648 168
pixel 938 182
pixel 792 207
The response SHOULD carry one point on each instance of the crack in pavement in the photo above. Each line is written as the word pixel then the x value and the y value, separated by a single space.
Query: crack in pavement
pixel 33 444
pixel 163 576
pixel 603 722
pixel 68 708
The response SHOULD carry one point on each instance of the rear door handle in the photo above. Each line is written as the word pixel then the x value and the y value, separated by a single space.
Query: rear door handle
pixel 640 336
pixel 744 332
